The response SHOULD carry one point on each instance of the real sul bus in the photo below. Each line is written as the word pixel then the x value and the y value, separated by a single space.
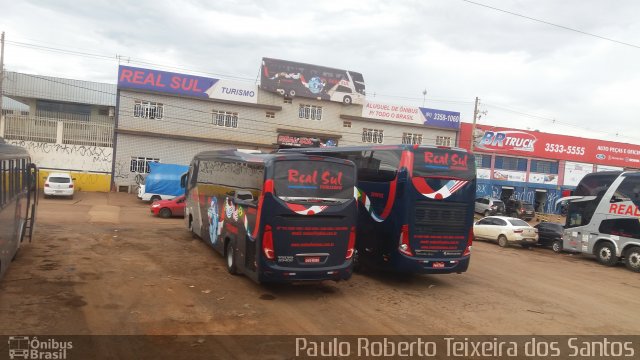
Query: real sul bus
pixel 18 200
pixel 275 217
pixel 417 206
pixel 604 218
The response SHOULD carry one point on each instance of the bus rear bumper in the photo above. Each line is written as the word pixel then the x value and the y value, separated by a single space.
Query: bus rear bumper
pixel 275 273
pixel 432 266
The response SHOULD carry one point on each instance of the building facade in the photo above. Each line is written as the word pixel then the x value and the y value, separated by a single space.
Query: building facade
pixel 169 117
pixel 540 167
pixel 65 124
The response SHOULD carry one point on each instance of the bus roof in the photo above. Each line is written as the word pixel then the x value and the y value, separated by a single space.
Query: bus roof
pixel 273 61
pixel 241 155
pixel 368 148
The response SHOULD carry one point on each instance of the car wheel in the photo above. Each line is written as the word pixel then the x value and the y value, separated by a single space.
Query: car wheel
pixel 292 93
pixel 606 254
pixel 557 246
pixel 632 259
pixel 165 213
pixel 502 241
pixel 347 100
pixel 155 198
pixel 231 258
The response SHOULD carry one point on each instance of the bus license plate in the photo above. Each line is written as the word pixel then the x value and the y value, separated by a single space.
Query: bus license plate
pixel 312 260
pixel 438 264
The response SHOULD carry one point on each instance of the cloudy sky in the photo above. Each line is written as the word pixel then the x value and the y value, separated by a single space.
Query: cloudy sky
pixel 527 74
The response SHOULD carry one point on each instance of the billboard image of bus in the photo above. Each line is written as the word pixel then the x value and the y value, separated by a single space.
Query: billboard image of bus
pixel 416 206
pixel 604 218
pixel 275 217
pixel 293 79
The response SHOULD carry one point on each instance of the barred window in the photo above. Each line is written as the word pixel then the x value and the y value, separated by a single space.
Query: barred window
pixel 346 124
pixel 140 165
pixel 148 110
pixel 271 115
pixel 411 139
pixel 288 101
pixel 373 136
pixel 443 140
pixel 225 119
pixel 312 112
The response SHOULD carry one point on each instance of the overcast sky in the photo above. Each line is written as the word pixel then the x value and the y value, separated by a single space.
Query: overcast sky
pixel 526 73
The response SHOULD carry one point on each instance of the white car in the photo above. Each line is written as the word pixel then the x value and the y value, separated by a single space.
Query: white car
pixel 505 230
pixel 59 184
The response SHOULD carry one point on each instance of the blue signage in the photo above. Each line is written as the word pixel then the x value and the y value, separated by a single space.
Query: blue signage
pixel 441 118
pixel 163 81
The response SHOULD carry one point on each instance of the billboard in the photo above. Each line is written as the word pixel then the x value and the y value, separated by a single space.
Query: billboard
pixel 185 85
pixel 293 79
pixel 412 114
pixel 538 144
pixel 290 140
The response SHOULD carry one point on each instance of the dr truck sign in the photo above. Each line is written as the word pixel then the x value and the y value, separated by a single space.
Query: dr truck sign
pixel 538 144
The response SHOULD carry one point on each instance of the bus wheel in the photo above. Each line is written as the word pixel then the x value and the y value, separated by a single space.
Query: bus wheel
pixel 556 246
pixel 606 254
pixel 231 258
pixel 632 259
pixel 292 93
pixel 502 241
pixel 347 100
pixel 18 241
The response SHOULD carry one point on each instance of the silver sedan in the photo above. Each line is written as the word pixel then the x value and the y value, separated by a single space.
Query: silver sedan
pixel 505 230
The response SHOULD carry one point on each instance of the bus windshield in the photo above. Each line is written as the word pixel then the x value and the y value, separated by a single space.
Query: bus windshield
pixel 443 163
pixel 307 180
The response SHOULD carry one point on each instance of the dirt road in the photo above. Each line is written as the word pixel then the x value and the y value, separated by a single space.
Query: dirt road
pixel 101 264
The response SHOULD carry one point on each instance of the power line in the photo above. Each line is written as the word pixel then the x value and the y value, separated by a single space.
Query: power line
pixel 553 24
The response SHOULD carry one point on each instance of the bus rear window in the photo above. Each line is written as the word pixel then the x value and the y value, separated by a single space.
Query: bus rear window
pixel 299 180
pixel 444 163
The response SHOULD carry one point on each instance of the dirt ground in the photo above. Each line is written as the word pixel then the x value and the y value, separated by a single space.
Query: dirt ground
pixel 101 264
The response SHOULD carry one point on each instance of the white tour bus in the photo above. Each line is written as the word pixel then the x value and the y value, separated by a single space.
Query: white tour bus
pixel 605 219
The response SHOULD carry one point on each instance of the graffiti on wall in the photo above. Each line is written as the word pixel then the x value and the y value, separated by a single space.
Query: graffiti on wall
pixel 69 157
pixel 523 194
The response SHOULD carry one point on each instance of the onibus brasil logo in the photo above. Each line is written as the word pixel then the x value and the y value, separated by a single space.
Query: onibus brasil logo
pixel 25 347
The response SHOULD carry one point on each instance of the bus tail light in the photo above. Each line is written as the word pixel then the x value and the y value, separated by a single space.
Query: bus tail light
pixel 352 243
pixel 403 245
pixel 467 250
pixel 267 243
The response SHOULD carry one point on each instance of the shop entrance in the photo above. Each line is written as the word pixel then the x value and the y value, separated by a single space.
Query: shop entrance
pixel 540 200
pixel 507 193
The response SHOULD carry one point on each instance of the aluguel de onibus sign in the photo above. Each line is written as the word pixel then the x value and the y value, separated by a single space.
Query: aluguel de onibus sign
pixel 293 79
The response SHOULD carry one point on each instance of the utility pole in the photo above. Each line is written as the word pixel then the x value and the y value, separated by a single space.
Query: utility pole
pixel 424 96
pixel 1 70
pixel 473 126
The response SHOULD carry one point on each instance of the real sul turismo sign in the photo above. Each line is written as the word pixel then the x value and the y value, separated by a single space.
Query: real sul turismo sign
pixel 185 85
pixel 412 114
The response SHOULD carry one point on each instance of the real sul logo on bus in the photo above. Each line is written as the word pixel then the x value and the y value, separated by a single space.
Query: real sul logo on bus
pixel 507 140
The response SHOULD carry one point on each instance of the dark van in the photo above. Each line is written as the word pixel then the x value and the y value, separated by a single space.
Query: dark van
pixel 519 209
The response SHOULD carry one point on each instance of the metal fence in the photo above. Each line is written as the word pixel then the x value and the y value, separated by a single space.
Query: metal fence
pixel 44 129
pixel 84 133
pixel 30 129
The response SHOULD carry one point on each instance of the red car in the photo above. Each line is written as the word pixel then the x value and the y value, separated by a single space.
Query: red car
pixel 169 208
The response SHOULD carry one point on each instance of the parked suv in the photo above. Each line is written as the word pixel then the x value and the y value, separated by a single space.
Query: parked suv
pixel 489 206
pixel 550 234
pixel 519 209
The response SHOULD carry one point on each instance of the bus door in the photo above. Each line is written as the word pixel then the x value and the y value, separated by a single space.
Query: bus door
pixel 441 219
pixel 308 219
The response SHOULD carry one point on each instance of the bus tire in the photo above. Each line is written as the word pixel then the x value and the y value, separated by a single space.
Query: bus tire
pixel 606 253
pixel 165 213
pixel 292 93
pixel 556 246
pixel 193 234
pixel 230 257
pixel 347 100
pixel 632 259
pixel 502 241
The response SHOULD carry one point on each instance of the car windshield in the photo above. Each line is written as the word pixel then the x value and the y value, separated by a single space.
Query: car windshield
pixel 518 222
pixel 59 179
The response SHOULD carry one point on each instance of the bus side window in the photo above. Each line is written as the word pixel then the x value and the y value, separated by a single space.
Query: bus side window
pixel 193 176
